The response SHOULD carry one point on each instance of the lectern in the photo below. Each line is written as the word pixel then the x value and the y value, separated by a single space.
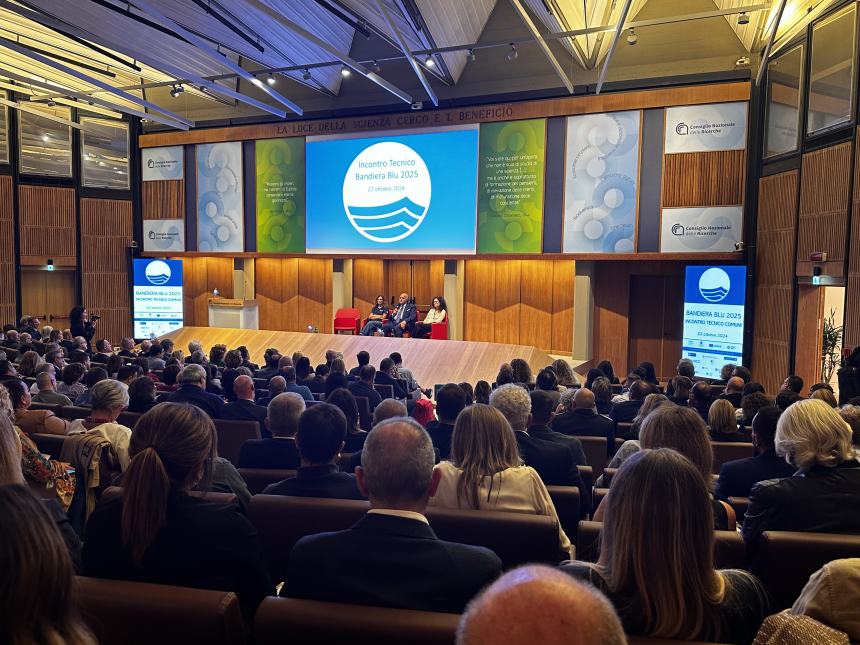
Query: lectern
pixel 235 313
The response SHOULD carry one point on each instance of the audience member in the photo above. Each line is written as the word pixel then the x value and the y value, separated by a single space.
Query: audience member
pixel 468 391
pixel 387 375
pixel 217 354
pixel 608 371
pixel 289 376
pixel 505 375
pixel 32 421
pixel 751 404
pixel 450 401
pixel 127 374
pixel 743 373
pixel 277 385
pixel 626 411
pixel 155 357
pixel 830 597
pixel 156 532
pixel 355 436
pixel 739 476
pixel 271 359
pixel 246 359
pixel 482 392
pixel 305 376
pixel 319 439
pixel 825 395
pixel 485 471
pixel 701 399
pixel 71 377
pixel 734 391
pixel 793 383
pixel 522 371
pixel 232 362
pixel 28 364
pixel 547 381
pixel 47 394
pixel 192 390
pixel 542 415
pixel 725 374
pixel 364 386
pixel 402 563
pixel 651 403
pixel 722 423
pixel 851 415
pixel 141 395
pixel 824 495
pixel 280 450
pixel 538 604
pixel 169 378
pixel 649 373
pixel 103 351
pixel 109 400
pixel 244 408
pixel 602 390
pixel 94 375
pixel 566 376
pixel 660 575
pixel 579 417
pixel 363 359
pixel 786 398
pixel 592 375
pixel 336 380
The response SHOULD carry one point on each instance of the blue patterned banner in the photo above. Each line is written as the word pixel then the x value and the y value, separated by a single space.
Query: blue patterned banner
pixel 220 226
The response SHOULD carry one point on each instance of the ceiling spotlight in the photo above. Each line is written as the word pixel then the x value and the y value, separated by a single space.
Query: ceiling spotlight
pixel 51 103
pixel 375 67
pixel 270 79
pixel 471 55
pixel 176 91
pixel 45 138
pixel 429 62
pixel 632 38
pixel 744 18
pixel 256 81
pixel 513 54
pixel 344 71
pixel 743 61
pixel 306 74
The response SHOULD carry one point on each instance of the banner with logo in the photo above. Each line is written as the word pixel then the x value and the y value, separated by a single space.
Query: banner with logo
pixel 163 235
pixel 706 229
pixel 162 163
pixel 706 128
pixel 220 212
pixel 511 186
pixel 157 304
pixel 601 178
pixel 280 168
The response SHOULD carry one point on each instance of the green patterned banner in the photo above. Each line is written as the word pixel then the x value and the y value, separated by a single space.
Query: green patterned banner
pixel 511 186
pixel 281 195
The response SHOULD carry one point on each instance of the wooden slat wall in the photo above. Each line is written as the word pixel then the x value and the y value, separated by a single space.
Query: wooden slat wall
pixel 777 228
pixel 314 301
pixel 202 275
pixel 163 199
pixel 106 233
pixel 428 280
pixel 511 301
pixel 823 218
pixel 368 281
pixel 704 178
pixel 398 278
pixel 7 251
pixel 277 292
pixel 852 302
pixel 610 338
pixel 46 218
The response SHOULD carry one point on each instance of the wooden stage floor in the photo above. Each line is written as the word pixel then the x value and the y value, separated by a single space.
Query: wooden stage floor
pixel 431 361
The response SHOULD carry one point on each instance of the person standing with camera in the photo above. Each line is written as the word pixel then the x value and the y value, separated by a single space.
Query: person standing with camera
pixel 82 325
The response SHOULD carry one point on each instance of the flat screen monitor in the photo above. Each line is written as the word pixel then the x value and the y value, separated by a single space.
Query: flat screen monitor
pixel 157 298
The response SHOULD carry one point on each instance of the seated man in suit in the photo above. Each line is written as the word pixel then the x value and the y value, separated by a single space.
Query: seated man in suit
pixel 701 399
pixel 244 408
pixel 579 417
pixel 320 438
pixel 734 391
pixel 739 476
pixel 193 390
pixel 289 375
pixel 539 428
pixel 280 451
pixel 405 374
pixel 363 358
pixel 450 401
pixel 270 369
pixel 625 411
pixel 553 462
pixel 305 376
pixel 103 351
pixel 387 375
pixel 277 385
pixel 364 386
pixel 403 319
pixel 391 557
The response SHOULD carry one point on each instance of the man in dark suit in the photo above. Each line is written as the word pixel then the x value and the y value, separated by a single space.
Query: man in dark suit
pixel 272 357
pixel 580 418
pixel 701 399
pixel 403 319
pixel 305 376
pixel 392 557
pixel 280 451
pixel 103 352
pixel 739 476
pixel 363 358
pixel 734 391
pixel 320 437
pixel 450 401
pixel 244 408
pixel 126 348
pixel 387 375
pixel 552 461
pixel 364 386
pixel 539 428
pixel 193 390
pixel 625 411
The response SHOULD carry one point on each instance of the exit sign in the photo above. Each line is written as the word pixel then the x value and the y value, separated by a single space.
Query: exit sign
pixel 818 256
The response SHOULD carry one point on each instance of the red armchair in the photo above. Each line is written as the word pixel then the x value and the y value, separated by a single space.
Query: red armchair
pixel 439 331
pixel 347 320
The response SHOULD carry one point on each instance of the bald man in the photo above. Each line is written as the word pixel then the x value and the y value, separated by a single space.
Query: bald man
pixel 47 383
pixel 403 319
pixel 536 604
pixel 577 416
pixel 391 557
pixel 244 408
pixel 734 391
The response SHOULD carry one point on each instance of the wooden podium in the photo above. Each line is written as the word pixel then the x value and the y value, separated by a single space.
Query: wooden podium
pixel 234 313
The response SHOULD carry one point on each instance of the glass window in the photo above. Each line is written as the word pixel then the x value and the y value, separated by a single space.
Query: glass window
pixel 46 146
pixel 784 78
pixel 104 153
pixel 4 131
pixel 831 71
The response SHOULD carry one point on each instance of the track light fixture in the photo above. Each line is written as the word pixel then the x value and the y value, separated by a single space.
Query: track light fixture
pixel 744 18
pixel 429 62
pixel 176 91
pixel 306 74
pixel 632 38
pixel 344 71
pixel 375 67
pixel 471 55
pixel 513 54
pixel 270 79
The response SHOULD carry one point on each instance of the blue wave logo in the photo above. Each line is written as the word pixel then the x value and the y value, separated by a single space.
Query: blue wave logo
pixel 157 272
pixel 714 284
pixel 388 222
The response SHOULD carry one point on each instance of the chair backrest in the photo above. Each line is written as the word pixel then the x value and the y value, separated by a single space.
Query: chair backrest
pixel 597 496
pixel 365 416
pixel 595 453
pixel 258 478
pixel 49 444
pixel 785 560
pixel 232 434
pixel 138 613
pixel 566 502
pixel 260 384
pixel 385 391
pixel 623 428
pixel 128 419
pixel 728 451
pixel 279 620
pixel 71 412
pixel 53 407
pixel 740 505
pixel 608 474
pixel 587 475
pixel 112 492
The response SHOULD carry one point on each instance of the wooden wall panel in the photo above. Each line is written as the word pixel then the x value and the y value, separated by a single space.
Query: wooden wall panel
pixel 202 274
pixel 704 178
pixel 611 309
pixel 563 279
pixel 775 269
pixel 807 347
pixel 507 318
pixel 7 252
pixel 106 233
pixel 479 300
pixel 46 219
pixel 536 309
pixel 398 278
pixel 852 301
pixel 428 280
pixel 368 281
pixel 277 293
pixel 315 300
pixel 823 216
pixel 163 199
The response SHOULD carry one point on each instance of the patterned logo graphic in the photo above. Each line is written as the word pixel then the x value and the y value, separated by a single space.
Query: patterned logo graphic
pixel 157 272
pixel 682 128
pixel 677 229
pixel 714 284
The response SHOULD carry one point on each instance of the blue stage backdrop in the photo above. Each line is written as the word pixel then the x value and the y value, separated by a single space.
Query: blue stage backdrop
pixel 157 303
pixel 399 193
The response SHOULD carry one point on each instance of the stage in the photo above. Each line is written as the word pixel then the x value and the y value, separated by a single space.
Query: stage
pixel 431 361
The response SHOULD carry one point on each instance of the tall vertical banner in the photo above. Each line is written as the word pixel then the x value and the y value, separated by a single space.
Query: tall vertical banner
pixel 511 186
pixel 220 225
pixel 280 168
pixel 601 180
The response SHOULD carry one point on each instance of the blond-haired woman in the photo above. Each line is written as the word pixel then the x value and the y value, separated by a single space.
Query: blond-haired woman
pixel 660 574
pixel 722 422
pixel 824 495
pixel 485 471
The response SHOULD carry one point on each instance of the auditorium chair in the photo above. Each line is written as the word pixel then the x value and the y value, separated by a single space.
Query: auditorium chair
pixel 729 548
pixel 260 384
pixel 608 474
pixel 623 428
pixel 439 331
pixel 566 502
pixel 729 451
pixel 516 538
pixel 784 560
pixel 232 434
pixel 740 504
pixel 128 419
pixel 365 415
pixel 258 478
pixel 717 390
pixel 112 492
pixel 53 407
pixel 347 320
pixel 597 496
pixel 385 391
pixel 587 475
pixel 595 453
pixel 138 613
pixel 72 412
pixel 49 444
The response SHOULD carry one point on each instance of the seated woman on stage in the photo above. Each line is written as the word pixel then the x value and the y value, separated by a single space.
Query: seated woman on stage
pixel 378 315
pixel 438 312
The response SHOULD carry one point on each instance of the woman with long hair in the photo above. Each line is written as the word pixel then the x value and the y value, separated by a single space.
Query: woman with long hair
pixel 522 371
pixel 378 315
pixel 30 362
pixel 722 422
pixel 156 532
pixel 650 373
pixel 564 372
pixel 37 597
pixel 680 387
pixel 505 375
pixel 437 314
pixel 591 376
pixel 482 392
pixel 602 390
pixel 608 371
pixel 660 574
pixel 485 471
pixel 80 324
pixel 342 398
pixel 651 402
